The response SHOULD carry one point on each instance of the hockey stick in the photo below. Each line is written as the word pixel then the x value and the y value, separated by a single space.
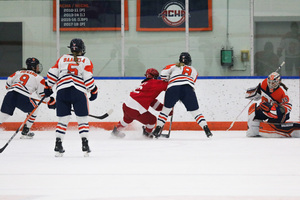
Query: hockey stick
pixel 170 127
pixel 279 68
pixel 22 125
pixel 101 116
pixel 94 116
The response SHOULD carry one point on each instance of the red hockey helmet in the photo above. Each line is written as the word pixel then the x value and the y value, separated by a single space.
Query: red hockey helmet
pixel 152 73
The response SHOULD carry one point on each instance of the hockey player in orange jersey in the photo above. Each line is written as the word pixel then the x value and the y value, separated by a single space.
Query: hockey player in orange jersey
pixel 268 118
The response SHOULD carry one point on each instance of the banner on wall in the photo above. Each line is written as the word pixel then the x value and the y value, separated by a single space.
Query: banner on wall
pixel 92 15
pixel 169 15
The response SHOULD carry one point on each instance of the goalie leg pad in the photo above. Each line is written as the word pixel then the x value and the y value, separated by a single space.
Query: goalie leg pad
pixel 283 130
pixel 253 124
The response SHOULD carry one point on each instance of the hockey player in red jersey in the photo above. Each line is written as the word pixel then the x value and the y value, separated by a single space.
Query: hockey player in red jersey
pixel 275 105
pixel 181 78
pixel 20 87
pixel 137 104
pixel 73 76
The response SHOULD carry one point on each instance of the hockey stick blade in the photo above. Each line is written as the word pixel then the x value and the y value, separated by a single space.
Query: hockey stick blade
pixel 102 116
pixel 165 135
pixel 170 128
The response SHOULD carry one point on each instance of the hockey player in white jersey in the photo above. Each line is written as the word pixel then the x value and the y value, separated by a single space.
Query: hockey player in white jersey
pixel 73 76
pixel 20 87
pixel 181 79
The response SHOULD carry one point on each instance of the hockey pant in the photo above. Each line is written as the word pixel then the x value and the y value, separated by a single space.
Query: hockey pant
pixel 13 100
pixel 129 114
pixel 68 97
pixel 185 94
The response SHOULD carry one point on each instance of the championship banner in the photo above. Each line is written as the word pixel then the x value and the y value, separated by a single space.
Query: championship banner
pixel 90 15
pixel 169 15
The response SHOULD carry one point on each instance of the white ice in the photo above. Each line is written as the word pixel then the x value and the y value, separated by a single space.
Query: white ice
pixel 186 166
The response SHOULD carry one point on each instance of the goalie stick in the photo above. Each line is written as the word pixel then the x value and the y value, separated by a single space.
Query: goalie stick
pixel 279 68
pixel 22 125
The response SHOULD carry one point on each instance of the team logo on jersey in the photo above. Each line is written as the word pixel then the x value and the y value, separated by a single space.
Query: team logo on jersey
pixel 173 13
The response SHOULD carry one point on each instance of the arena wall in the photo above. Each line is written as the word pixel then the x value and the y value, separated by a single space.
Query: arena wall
pixel 221 100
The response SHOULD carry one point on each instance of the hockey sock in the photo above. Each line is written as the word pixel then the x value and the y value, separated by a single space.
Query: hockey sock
pixel 163 116
pixel 199 118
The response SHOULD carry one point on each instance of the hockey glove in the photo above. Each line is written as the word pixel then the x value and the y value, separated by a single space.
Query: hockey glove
pixel 265 106
pixel 47 90
pixel 94 94
pixel 253 93
pixel 51 103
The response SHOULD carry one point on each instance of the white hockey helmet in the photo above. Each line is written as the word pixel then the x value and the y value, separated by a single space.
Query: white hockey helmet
pixel 274 80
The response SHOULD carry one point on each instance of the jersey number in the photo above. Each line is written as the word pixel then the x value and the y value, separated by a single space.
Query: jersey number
pixel 187 71
pixel 72 69
pixel 24 79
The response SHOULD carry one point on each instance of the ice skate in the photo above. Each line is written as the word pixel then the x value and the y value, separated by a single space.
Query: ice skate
pixel 146 134
pixel 117 133
pixel 26 134
pixel 85 147
pixel 59 150
pixel 207 131
pixel 157 131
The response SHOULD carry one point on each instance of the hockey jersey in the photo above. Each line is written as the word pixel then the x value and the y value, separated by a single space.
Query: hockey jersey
pixel 66 73
pixel 142 97
pixel 179 75
pixel 26 82
pixel 279 96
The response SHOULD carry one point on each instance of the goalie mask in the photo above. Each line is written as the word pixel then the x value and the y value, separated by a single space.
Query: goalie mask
pixel 77 45
pixel 274 80
pixel 34 65
pixel 185 58
pixel 152 73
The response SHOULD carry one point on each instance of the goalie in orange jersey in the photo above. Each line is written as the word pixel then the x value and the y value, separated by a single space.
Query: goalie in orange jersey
pixel 274 108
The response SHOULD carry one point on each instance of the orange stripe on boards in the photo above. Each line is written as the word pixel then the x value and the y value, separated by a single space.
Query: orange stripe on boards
pixel 189 126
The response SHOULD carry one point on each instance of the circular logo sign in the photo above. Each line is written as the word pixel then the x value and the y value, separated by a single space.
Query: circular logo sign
pixel 173 14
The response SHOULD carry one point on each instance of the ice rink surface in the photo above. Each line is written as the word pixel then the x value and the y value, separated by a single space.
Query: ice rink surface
pixel 186 166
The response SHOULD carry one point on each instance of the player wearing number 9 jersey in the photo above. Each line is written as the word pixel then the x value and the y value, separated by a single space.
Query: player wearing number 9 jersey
pixel 73 76
pixel 181 77
pixel 20 87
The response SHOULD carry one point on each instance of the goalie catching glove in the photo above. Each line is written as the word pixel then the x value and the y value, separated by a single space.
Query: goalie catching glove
pixel 51 103
pixel 94 94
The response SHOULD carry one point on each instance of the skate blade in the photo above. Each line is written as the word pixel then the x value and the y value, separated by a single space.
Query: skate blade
pixel 118 135
pixel 86 154
pixel 57 154
pixel 26 137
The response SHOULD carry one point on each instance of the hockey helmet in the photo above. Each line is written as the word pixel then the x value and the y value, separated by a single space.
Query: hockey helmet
pixel 152 73
pixel 273 81
pixel 185 58
pixel 77 45
pixel 34 65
